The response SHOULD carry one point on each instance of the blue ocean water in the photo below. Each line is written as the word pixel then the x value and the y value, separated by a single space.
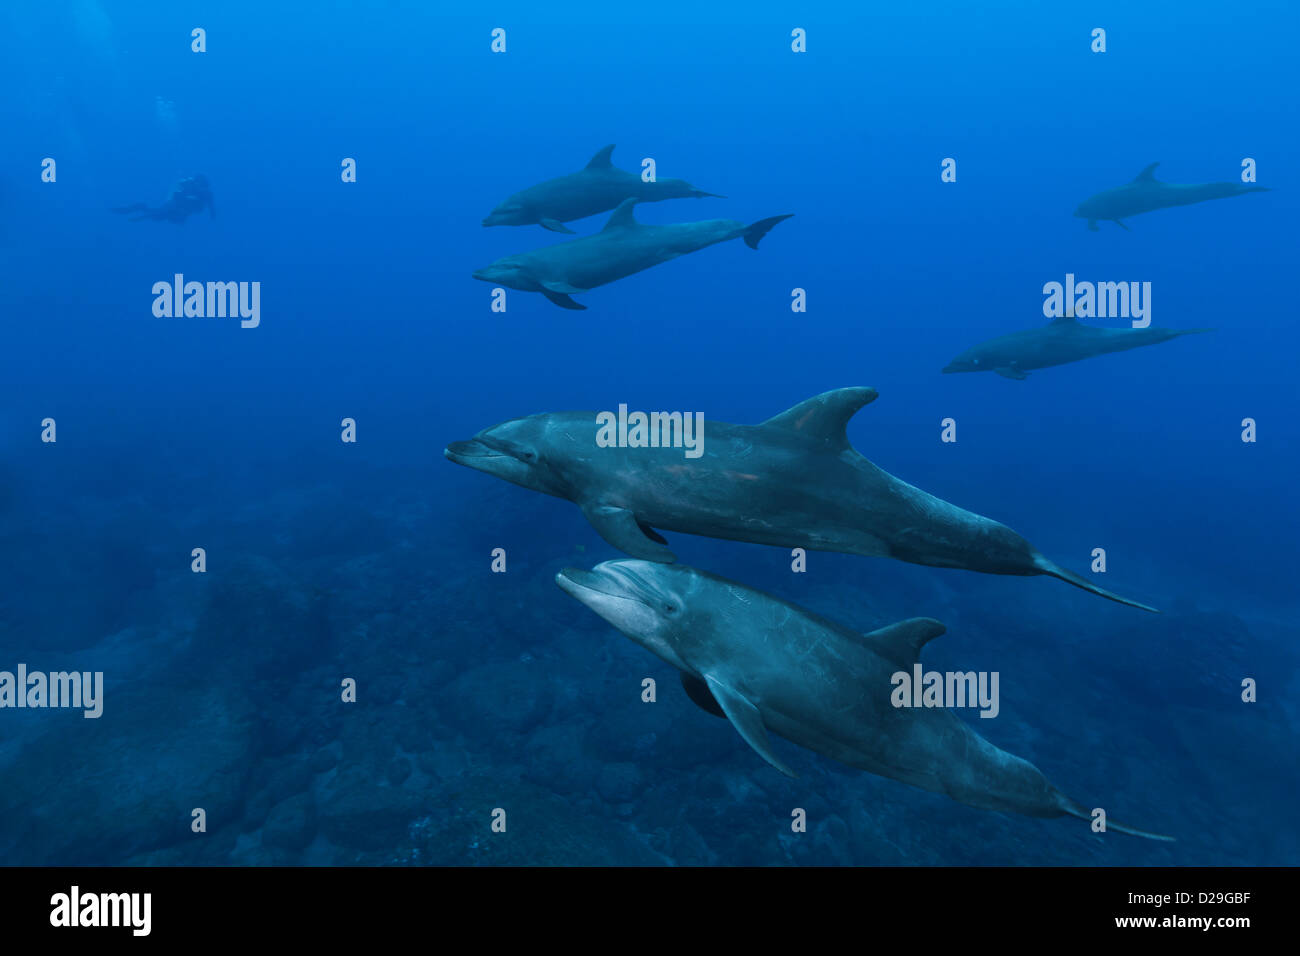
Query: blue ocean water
pixel 371 560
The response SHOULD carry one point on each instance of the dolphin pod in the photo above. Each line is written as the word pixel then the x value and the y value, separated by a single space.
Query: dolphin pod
pixel 598 187
pixel 622 248
pixel 765 664
pixel 1061 341
pixel 793 481
pixel 1146 194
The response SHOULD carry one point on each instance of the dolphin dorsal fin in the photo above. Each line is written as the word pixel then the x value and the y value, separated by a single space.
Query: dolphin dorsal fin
pixel 622 217
pixel 1068 318
pixel 601 160
pixel 902 642
pixel 824 417
pixel 1147 175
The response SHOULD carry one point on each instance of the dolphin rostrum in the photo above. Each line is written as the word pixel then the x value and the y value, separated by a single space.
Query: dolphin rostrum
pixel 599 187
pixel 768 665
pixel 1146 193
pixel 794 482
pixel 622 248
pixel 1062 340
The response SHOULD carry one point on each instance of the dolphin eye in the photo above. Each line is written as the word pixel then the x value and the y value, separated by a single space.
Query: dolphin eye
pixel 670 608
pixel 529 456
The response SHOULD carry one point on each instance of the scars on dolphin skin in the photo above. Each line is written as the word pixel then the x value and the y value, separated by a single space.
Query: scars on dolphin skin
pixel 767 665
pixel 797 471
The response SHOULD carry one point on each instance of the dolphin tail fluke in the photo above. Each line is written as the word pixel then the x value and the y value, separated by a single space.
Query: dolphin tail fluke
pixel 700 194
pixel 761 228
pixel 1069 577
pixel 1076 810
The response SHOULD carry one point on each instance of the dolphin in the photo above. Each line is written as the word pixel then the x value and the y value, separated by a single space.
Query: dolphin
pixel 599 187
pixel 1146 193
pixel 794 482
pixel 765 664
pixel 1062 340
pixel 622 248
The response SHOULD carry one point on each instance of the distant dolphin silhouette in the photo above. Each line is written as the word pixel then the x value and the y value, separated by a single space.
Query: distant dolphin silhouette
pixel 765 664
pixel 622 248
pixel 1146 193
pixel 793 482
pixel 599 187
pixel 1062 340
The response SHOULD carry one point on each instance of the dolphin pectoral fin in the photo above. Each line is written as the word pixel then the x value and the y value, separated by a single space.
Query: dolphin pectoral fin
pixel 559 292
pixel 700 695
pixel 824 417
pixel 744 716
pixel 651 533
pixel 1007 371
pixel 562 300
pixel 1120 223
pixel 620 528
pixel 555 226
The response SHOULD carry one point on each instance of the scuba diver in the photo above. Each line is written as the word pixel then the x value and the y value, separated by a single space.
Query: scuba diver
pixel 187 197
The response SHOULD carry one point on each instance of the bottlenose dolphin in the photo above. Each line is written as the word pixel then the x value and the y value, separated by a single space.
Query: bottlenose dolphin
pixel 1145 194
pixel 599 187
pixel 622 248
pixel 794 481
pixel 1062 340
pixel 766 664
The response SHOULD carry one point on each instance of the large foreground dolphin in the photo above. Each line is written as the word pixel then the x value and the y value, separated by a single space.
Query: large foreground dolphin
pixel 1145 194
pixel 1062 340
pixel 622 248
pixel 793 481
pixel 599 187
pixel 766 664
